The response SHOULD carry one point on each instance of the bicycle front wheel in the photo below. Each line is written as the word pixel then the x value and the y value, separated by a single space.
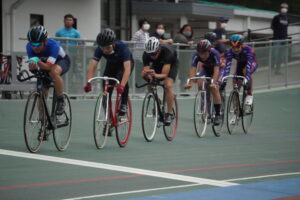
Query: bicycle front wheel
pixel 170 130
pixel 101 125
pixel 247 116
pixel 62 133
pixel 34 122
pixel 233 111
pixel 200 113
pixel 149 117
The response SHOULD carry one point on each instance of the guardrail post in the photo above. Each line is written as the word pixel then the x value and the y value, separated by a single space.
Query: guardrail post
pixel 270 64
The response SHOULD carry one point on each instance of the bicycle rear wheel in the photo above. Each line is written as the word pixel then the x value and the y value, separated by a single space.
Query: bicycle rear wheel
pixel 170 130
pixel 149 117
pixel 200 113
pixel 247 116
pixel 233 111
pixel 62 133
pixel 101 125
pixel 34 122
pixel 123 126
pixel 218 128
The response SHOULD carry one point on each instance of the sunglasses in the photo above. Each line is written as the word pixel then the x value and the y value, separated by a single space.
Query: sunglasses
pixel 153 53
pixel 106 47
pixel 38 44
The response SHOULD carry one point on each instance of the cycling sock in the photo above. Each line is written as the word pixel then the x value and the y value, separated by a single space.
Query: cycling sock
pixel 217 108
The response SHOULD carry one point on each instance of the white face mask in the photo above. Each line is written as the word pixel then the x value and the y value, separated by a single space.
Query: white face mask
pixel 160 31
pixel 284 10
pixel 223 25
pixel 146 27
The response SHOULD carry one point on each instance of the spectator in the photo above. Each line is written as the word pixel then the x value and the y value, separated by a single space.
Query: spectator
pixel 221 34
pixel 185 36
pixel 68 31
pixel 279 26
pixel 159 34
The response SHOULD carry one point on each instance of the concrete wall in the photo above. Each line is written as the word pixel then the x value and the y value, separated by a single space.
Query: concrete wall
pixel 87 13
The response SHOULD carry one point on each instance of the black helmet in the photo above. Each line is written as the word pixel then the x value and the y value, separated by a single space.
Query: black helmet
pixel 203 45
pixel 106 37
pixel 211 36
pixel 37 34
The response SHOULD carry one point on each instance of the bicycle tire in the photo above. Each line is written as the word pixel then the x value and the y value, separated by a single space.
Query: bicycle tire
pixel 149 116
pixel 170 130
pixel 62 133
pixel 200 113
pixel 233 111
pixel 124 124
pixel 34 115
pixel 217 129
pixel 247 116
pixel 100 122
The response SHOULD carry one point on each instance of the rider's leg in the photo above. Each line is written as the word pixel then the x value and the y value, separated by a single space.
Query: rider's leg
pixel 168 83
pixel 217 98
pixel 55 73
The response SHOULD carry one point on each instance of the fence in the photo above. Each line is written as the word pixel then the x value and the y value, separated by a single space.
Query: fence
pixel 286 53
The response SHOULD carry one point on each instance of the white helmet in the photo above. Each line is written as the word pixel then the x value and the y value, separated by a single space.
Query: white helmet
pixel 151 45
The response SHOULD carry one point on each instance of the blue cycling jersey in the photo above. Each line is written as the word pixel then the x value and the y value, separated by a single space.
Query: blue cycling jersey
pixel 120 54
pixel 246 58
pixel 68 33
pixel 212 61
pixel 50 54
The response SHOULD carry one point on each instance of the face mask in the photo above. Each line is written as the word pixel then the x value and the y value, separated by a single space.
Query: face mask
pixel 223 25
pixel 187 33
pixel 284 10
pixel 160 31
pixel 146 27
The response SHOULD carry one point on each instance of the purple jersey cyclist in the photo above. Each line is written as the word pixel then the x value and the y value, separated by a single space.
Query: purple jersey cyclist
pixel 246 62
pixel 207 61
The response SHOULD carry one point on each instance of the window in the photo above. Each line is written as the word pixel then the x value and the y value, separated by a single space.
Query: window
pixel 36 20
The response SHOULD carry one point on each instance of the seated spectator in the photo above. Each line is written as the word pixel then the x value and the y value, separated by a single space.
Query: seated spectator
pixel 185 36
pixel 159 34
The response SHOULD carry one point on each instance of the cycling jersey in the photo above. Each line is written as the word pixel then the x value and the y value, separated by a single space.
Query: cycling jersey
pixel 246 58
pixel 52 52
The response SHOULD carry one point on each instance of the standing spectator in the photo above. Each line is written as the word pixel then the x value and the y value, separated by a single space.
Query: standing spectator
pixel 279 26
pixel 68 31
pixel 221 34
pixel 159 34
pixel 185 36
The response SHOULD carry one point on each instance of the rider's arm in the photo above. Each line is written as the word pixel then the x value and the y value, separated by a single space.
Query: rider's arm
pixel 92 69
pixel 250 62
pixel 216 74
pixel 228 63
pixel 127 70
pixel 164 73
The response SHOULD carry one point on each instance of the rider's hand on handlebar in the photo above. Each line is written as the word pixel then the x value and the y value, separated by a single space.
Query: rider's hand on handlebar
pixel 187 86
pixel 88 87
pixel 121 88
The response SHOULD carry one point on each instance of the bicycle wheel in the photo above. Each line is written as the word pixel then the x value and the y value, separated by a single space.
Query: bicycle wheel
pixel 170 130
pixel 34 122
pixel 233 111
pixel 200 113
pixel 149 117
pixel 62 133
pixel 124 123
pixel 218 128
pixel 247 116
pixel 101 125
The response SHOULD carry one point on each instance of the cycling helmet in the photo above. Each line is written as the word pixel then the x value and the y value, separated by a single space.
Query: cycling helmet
pixel 37 34
pixel 106 37
pixel 211 36
pixel 151 45
pixel 236 40
pixel 203 45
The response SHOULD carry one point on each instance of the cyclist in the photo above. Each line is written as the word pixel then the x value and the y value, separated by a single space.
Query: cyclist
pixel 119 64
pixel 246 63
pixel 207 61
pixel 47 55
pixel 160 62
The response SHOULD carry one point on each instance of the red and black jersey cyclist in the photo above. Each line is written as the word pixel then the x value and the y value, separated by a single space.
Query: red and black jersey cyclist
pixel 160 62
pixel 246 63
pixel 207 62
pixel 119 64
pixel 47 55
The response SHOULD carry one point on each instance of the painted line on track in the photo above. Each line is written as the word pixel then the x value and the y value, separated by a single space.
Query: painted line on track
pixel 117 168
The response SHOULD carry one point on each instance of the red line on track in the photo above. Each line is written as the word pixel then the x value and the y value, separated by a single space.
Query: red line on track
pixel 138 175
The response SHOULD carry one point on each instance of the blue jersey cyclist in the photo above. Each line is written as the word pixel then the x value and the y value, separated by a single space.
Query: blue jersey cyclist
pixel 47 55
pixel 207 62
pixel 119 64
pixel 246 63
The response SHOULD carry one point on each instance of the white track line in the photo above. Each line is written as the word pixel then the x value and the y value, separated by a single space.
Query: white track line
pixel 175 187
pixel 117 168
